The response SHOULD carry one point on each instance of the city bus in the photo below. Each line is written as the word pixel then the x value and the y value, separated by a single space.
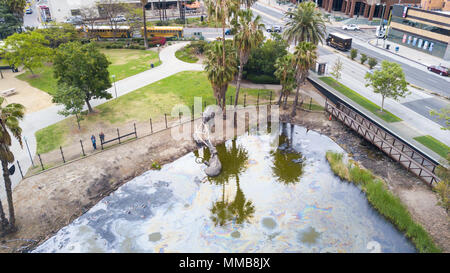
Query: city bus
pixel 104 32
pixel 163 31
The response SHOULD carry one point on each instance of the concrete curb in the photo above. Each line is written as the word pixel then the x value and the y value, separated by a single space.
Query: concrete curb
pixel 369 42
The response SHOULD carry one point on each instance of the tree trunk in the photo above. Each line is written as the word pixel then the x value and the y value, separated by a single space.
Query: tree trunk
pixel 382 103
pixel 145 28
pixel 12 218
pixel 279 98
pixel 285 100
pixel 236 97
pixel 89 106
pixel 3 220
pixel 294 106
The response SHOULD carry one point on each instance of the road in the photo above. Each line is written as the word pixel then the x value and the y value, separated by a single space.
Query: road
pixel 31 20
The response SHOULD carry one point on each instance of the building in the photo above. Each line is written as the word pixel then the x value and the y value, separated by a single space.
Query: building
pixel 443 5
pixel 427 31
pixel 364 8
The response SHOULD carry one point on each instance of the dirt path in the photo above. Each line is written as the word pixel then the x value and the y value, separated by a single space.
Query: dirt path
pixel 32 98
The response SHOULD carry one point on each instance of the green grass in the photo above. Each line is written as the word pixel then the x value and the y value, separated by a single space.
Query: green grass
pixel 150 101
pixel 386 203
pixel 434 145
pixel 124 63
pixel 372 107
pixel 185 54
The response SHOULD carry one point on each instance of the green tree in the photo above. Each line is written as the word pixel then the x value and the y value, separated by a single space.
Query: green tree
pixel 443 114
pixel 305 23
pixel 286 74
pixel 220 74
pixel 249 34
pixel 389 81
pixel 363 58
pixel 57 34
pixel 10 115
pixel 337 68
pixel 353 53
pixel 372 62
pixel 83 67
pixel 305 56
pixel 72 98
pixel 16 7
pixel 144 20
pixel 9 23
pixel 29 49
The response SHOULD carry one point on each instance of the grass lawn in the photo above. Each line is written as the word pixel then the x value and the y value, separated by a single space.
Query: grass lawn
pixel 185 54
pixel 434 145
pixel 124 63
pixel 372 107
pixel 147 102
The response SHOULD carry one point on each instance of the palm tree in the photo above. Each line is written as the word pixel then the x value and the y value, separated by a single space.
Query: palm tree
pixel 305 57
pixel 220 71
pixel 143 3
pixel 305 23
pixel 286 74
pixel 9 122
pixel 249 34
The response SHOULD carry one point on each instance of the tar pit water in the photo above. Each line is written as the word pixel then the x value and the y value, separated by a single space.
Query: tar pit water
pixel 275 194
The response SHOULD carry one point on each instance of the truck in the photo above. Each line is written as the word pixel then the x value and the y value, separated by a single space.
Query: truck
pixel 339 41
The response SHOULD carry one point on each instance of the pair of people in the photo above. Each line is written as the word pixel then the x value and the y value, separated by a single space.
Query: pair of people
pixel 94 141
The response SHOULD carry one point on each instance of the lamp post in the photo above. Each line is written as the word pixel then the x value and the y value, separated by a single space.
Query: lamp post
pixel 114 80
pixel 159 59
pixel 26 143
pixel 382 18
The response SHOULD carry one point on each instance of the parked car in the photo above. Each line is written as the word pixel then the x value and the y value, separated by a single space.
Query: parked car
pixel 228 32
pixel 274 29
pixel 119 18
pixel 76 20
pixel 350 27
pixel 439 69
pixel 28 11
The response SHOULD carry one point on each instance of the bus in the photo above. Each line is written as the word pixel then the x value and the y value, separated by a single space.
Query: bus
pixel 163 31
pixel 339 41
pixel 104 32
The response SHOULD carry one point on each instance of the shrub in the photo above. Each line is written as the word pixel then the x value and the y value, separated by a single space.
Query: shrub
pixel 156 165
pixel 363 58
pixel 262 79
pixel 353 53
pixel 372 62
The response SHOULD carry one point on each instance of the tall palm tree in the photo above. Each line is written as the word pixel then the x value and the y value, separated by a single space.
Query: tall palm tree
pixel 286 74
pixel 143 3
pixel 9 122
pixel 220 71
pixel 305 23
pixel 305 57
pixel 249 34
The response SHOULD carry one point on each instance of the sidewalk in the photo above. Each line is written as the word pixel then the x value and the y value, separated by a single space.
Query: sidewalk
pixel 411 54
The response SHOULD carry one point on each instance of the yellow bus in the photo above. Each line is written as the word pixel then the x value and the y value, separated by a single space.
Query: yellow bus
pixel 165 32
pixel 105 32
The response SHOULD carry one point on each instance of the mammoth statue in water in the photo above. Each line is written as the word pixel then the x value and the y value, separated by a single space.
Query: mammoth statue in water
pixel 201 137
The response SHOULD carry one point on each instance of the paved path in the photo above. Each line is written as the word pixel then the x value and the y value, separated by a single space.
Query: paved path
pixel 41 119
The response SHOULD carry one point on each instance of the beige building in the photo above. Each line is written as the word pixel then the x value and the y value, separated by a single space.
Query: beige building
pixel 435 5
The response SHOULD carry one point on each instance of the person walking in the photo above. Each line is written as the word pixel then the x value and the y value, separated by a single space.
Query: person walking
pixel 102 137
pixel 94 142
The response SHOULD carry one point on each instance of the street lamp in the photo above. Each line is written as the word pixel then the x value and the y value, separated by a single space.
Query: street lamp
pixel 382 18
pixel 31 158
pixel 114 80
pixel 159 59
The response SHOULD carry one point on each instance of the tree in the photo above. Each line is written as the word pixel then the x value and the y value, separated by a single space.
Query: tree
pixel 372 62
pixel 144 20
pixel 305 23
pixel 249 34
pixel 220 74
pixel 72 98
pixel 29 49
pixel 16 7
pixel 305 56
pixel 363 58
pixel 9 123
pixel 112 9
pixel 286 74
pixel 443 114
pixel 337 68
pixel 353 53
pixel 389 81
pixel 89 16
pixel 9 23
pixel 57 34
pixel 83 67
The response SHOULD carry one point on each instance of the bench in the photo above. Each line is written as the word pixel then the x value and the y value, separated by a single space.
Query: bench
pixel 8 92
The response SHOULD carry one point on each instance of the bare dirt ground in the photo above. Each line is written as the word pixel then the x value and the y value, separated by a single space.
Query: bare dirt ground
pixel 47 202
pixel 32 98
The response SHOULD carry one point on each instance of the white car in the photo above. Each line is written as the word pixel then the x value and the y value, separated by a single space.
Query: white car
pixel 119 18
pixel 350 27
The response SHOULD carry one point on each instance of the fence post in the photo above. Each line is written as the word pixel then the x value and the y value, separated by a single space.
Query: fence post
pixel 204 106
pixel 20 169
pixel 40 160
pixel 118 135
pixel 179 116
pixel 62 154
pixel 192 111
pixel 151 126
pixel 165 118
pixel 270 102
pixel 135 133
pixel 231 100
pixel 245 98
pixel 82 148
pixel 310 102
pixel 257 101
